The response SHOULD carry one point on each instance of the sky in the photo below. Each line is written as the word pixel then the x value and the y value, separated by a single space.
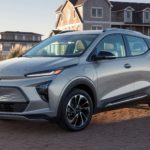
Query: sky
pixel 31 15
pixel 28 15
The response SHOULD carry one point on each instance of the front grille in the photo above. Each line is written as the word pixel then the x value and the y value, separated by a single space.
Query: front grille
pixel 12 107
pixel 12 100
pixel 11 95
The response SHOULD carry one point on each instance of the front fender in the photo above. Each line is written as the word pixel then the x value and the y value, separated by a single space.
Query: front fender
pixel 73 84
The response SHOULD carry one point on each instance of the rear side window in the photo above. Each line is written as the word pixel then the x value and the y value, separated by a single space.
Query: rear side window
pixel 137 46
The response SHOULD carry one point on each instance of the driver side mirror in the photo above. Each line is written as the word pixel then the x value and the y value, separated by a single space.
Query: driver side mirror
pixel 103 55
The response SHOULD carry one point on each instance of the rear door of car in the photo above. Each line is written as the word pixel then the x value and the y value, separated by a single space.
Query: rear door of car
pixel 139 56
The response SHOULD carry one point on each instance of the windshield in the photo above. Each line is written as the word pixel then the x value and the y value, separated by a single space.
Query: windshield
pixel 62 46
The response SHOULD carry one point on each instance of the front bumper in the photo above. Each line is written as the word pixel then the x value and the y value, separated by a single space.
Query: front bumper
pixel 12 99
pixel 19 99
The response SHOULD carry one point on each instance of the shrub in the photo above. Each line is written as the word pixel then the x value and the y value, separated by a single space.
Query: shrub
pixel 17 51
pixel 2 57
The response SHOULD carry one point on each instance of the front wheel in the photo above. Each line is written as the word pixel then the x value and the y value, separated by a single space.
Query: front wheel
pixel 77 110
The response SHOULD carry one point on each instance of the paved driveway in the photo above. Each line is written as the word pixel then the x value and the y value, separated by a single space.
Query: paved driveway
pixel 126 129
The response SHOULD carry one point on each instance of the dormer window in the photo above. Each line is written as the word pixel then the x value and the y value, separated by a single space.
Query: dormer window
pixel 128 14
pixel 146 15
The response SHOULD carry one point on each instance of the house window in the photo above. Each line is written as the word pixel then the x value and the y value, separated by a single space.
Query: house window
pixel 74 13
pixel 33 38
pixel 1 47
pixel 97 12
pixel 94 12
pixel 128 16
pixel 39 38
pixel 7 46
pixel 97 27
pixel 24 37
pixel 146 17
pixel 16 37
pixel 62 17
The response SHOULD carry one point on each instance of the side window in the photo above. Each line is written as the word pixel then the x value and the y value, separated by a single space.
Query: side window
pixel 113 44
pixel 137 46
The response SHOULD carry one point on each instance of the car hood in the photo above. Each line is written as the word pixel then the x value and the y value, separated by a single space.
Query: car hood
pixel 18 67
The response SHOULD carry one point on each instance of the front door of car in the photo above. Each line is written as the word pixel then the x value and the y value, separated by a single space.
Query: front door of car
pixel 115 77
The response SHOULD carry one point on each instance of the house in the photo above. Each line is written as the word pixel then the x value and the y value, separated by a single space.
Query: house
pixel 101 14
pixel 134 16
pixel 10 40
pixel 82 15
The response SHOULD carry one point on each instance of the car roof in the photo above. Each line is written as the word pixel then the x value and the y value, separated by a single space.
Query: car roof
pixel 108 30
pixel 82 32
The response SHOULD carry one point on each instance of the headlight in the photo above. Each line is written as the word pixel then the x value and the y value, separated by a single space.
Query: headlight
pixel 44 73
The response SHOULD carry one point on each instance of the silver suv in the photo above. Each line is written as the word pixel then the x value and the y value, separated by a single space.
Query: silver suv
pixel 71 76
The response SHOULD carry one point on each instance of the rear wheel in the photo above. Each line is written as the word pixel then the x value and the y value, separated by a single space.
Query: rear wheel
pixel 77 110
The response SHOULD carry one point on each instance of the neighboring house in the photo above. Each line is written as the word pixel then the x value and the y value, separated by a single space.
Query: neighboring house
pixel 9 40
pixel 101 14
pixel 134 16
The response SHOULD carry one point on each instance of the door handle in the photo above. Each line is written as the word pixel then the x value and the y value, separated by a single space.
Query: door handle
pixel 127 66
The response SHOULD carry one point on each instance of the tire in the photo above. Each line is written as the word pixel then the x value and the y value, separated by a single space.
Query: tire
pixel 77 110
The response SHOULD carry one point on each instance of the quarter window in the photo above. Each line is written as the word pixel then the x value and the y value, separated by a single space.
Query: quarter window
pixel 137 46
pixel 113 44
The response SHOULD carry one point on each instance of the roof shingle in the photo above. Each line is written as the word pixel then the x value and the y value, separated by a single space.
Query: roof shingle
pixel 123 5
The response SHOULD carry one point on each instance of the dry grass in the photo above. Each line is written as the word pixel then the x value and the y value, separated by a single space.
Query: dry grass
pixel 2 57
pixel 16 51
